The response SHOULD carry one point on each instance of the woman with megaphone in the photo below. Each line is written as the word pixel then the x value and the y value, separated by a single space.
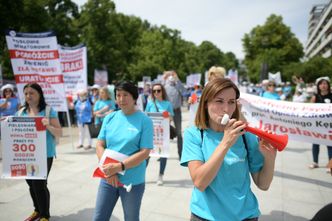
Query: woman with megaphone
pixel 221 158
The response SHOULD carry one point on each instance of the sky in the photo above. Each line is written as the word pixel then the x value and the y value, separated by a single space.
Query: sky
pixel 222 22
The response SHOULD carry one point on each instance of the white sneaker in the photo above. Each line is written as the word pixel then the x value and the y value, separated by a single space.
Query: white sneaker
pixel 160 181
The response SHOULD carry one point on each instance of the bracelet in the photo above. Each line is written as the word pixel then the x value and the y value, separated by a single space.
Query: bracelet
pixel 123 166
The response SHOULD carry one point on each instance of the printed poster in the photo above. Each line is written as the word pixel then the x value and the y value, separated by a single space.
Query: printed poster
pixel 23 148
pixel 74 68
pixel 160 135
pixel 35 58
pixel 305 122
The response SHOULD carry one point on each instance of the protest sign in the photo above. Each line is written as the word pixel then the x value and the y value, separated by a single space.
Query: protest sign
pixel 160 135
pixel 35 58
pixel 306 122
pixel 24 148
pixel 74 68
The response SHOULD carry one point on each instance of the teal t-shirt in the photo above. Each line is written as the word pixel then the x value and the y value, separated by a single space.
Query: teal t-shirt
pixel 100 104
pixel 162 106
pixel 128 134
pixel 228 197
pixel 50 139
pixel 269 95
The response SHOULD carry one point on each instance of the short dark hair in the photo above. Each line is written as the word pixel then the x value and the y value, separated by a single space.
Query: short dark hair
pixel 128 86
pixel 36 86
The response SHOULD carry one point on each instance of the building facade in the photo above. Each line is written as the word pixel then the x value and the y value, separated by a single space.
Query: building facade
pixel 320 31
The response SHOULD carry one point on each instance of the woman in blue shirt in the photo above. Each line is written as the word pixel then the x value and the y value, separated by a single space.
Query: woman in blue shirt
pixel 159 103
pixel 220 162
pixel 35 105
pixel 83 109
pixel 103 106
pixel 129 132
pixel 9 104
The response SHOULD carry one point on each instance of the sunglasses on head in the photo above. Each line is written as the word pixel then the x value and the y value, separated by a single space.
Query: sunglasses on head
pixel 156 91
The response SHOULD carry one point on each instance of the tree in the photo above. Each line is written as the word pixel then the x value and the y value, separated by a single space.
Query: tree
pixel 273 44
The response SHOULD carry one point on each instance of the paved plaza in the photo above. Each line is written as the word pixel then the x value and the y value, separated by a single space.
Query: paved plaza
pixel 296 193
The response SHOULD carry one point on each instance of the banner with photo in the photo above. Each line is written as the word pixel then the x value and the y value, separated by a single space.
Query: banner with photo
pixel 305 122
pixel 160 135
pixel 23 148
pixel 74 68
pixel 35 58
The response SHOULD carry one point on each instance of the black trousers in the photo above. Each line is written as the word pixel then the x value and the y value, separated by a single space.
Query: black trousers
pixel 40 194
pixel 178 126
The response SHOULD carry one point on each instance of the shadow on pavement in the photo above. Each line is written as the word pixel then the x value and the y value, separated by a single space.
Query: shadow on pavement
pixel 297 150
pixel 187 183
pixel 85 214
pixel 281 216
pixel 303 179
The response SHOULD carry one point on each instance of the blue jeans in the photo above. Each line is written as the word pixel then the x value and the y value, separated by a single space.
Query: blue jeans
pixel 108 195
pixel 315 152
pixel 163 162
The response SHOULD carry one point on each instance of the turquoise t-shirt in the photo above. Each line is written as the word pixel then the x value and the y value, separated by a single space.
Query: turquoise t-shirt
pixel 12 106
pixel 162 106
pixel 269 95
pixel 228 197
pixel 128 134
pixel 50 139
pixel 100 104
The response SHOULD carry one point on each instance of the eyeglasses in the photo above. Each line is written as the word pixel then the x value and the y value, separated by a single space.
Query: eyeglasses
pixel 271 85
pixel 156 91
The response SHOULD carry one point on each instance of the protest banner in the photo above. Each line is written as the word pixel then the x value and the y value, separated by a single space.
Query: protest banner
pixel 74 68
pixel 305 122
pixel 160 135
pixel 101 77
pixel 35 58
pixel 233 76
pixel 193 79
pixel 24 148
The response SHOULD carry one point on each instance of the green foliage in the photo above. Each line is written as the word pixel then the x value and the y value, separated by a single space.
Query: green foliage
pixel 273 44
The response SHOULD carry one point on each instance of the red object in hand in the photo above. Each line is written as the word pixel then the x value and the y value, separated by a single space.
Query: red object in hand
pixel 165 114
pixel 39 124
pixel 277 141
pixel 194 98
pixel 99 173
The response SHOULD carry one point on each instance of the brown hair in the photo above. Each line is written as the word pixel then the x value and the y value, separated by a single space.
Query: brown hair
pixel 163 91
pixel 210 91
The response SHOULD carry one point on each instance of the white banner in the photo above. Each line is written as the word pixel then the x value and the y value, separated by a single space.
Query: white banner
pixel 74 68
pixel 306 122
pixel 35 58
pixel 193 79
pixel 101 77
pixel 233 75
pixel 23 148
pixel 160 135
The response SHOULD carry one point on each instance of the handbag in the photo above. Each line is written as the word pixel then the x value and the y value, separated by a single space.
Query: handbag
pixel 172 130
pixel 94 129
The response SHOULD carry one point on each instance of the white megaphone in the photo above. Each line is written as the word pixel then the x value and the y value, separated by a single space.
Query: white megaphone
pixel 277 141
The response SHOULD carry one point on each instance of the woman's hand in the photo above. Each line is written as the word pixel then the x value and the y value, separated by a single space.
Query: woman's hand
pixel 267 150
pixel 111 169
pixel 45 121
pixel 232 131
pixel 113 180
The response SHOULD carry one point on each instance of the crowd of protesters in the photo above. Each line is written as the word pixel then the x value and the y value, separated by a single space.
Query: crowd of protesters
pixel 116 105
